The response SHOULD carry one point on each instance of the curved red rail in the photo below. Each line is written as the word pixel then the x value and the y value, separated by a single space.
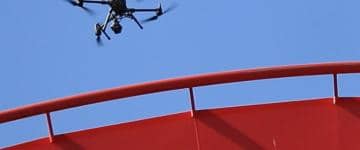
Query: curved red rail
pixel 178 83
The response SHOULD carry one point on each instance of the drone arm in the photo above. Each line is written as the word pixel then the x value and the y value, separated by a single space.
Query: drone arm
pixel 95 2
pixel 108 19
pixel 143 10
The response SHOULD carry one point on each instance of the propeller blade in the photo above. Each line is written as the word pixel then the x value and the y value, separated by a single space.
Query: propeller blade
pixel 99 41
pixel 72 2
pixel 171 8
pixel 86 9
pixel 153 18
pixel 98 31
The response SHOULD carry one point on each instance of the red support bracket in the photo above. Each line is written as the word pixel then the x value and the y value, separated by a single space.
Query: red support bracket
pixel 50 128
pixel 192 101
pixel 336 92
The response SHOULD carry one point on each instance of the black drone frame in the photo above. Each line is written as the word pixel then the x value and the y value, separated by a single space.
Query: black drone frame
pixel 118 10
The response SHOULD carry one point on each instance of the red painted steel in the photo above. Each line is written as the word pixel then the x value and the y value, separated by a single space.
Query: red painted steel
pixel 178 83
pixel 302 125
pixel 196 132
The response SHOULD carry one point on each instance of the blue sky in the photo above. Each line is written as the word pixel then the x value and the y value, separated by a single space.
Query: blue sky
pixel 48 50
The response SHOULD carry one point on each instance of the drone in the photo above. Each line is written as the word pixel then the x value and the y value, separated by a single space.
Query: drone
pixel 118 11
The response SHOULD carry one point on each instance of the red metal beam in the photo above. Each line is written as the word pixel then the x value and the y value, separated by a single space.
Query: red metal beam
pixel 178 83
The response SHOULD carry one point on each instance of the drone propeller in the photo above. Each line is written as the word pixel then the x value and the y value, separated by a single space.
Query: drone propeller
pixel 153 18
pixel 160 13
pixel 171 8
pixel 99 30
pixel 99 41
pixel 74 3
pixel 79 3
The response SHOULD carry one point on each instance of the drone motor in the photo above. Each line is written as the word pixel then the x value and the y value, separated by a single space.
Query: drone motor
pixel 98 29
pixel 80 2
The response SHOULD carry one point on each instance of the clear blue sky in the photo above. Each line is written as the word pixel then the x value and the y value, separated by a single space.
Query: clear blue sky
pixel 48 50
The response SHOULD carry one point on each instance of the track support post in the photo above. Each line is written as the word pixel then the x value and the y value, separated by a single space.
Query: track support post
pixel 50 128
pixel 336 92
pixel 192 101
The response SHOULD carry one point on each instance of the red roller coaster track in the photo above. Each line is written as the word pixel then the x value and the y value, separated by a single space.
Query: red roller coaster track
pixel 189 82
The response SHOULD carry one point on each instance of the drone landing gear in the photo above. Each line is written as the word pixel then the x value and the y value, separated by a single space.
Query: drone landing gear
pixel 136 21
pixel 99 29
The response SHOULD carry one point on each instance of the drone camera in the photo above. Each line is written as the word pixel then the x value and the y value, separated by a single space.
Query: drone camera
pixel 159 12
pixel 116 27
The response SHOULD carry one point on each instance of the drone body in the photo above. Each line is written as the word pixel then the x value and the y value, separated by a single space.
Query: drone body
pixel 118 11
pixel 118 6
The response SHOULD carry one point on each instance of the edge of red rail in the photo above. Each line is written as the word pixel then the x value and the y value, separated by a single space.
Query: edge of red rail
pixel 180 83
